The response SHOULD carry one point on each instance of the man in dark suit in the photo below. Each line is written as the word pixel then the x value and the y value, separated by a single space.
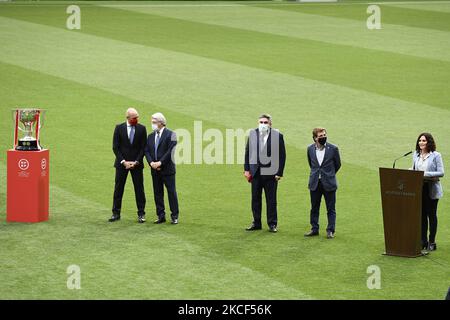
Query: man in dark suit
pixel 128 146
pixel 159 151
pixel 324 161
pixel 265 158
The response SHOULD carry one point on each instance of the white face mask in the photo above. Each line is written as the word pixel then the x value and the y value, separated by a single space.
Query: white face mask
pixel 263 127
pixel 154 127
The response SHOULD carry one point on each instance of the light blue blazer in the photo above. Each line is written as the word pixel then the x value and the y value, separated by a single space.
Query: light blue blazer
pixel 435 169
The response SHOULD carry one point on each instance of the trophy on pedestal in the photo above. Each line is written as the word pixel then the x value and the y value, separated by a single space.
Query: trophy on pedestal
pixel 28 170
pixel 28 123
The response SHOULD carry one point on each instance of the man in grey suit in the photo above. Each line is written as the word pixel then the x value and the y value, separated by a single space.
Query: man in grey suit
pixel 324 161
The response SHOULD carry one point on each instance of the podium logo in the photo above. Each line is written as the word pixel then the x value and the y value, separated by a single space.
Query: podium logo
pixel 23 164
pixel 43 163
pixel 401 185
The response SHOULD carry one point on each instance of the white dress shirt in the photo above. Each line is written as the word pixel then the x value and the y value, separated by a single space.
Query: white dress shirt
pixel 265 136
pixel 128 134
pixel 160 134
pixel 320 154
pixel 129 130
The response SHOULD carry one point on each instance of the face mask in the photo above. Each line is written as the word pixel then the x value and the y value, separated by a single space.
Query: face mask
pixel 133 122
pixel 322 140
pixel 263 127
pixel 154 127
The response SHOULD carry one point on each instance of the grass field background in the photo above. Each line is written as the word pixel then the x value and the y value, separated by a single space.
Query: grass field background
pixel 222 63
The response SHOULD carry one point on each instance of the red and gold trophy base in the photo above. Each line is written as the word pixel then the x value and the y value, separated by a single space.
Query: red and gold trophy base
pixel 27 190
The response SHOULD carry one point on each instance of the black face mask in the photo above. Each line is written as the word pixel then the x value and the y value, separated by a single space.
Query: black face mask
pixel 322 140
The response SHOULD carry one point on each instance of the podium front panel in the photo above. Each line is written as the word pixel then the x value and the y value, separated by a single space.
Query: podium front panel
pixel 401 196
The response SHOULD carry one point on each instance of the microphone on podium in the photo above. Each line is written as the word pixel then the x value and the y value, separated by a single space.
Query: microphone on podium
pixel 405 155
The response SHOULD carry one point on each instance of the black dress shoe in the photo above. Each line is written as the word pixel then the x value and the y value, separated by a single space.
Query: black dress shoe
pixel 114 217
pixel 425 245
pixel 432 246
pixel 330 235
pixel 253 227
pixel 174 221
pixel 141 219
pixel 273 229
pixel 160 220
pixel 312 233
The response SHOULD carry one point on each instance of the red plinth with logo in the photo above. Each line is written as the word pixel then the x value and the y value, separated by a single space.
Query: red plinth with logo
pixel 27 186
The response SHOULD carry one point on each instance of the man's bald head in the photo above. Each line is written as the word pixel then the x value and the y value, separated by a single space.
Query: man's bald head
pixel 132 113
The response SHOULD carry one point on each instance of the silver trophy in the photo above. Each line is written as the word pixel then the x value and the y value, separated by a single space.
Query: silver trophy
pixel 28 122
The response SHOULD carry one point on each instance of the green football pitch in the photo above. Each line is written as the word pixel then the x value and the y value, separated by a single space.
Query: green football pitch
pixel 222 63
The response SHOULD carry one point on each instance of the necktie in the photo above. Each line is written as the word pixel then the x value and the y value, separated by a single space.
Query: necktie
pixel 156 145
pixel 262 141
pixel 131 134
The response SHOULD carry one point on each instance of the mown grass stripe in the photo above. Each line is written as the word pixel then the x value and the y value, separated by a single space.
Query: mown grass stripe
pixel 369 70
pixel 433 6
pixel 65 210
pixel 392 15
pixel 308 265
pixel 191 84
pixel 431 44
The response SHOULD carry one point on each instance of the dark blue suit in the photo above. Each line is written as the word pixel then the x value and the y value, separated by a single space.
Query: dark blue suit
pixel 325 186
pixel 166 175
pixel 264 162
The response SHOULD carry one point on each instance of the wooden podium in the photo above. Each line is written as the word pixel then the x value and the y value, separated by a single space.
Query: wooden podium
pixel 401 197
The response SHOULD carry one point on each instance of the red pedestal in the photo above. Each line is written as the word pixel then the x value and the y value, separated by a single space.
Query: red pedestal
pixel 27 186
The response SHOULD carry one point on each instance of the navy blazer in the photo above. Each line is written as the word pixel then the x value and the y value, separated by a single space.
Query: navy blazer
pixel 124 149
pixel 255 164
pixel 166 148
pixel 327 171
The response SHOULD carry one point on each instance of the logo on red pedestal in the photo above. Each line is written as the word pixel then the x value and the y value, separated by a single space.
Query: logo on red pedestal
pixel 23 164
pixel 43 163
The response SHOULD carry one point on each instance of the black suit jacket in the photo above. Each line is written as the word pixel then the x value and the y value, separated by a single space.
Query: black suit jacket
pixel 122 147
pixel 166 147
pixel 330 166
pixel 254 162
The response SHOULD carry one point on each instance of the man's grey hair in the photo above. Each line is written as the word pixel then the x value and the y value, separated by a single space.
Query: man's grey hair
pixel 160 118
pixel 267 116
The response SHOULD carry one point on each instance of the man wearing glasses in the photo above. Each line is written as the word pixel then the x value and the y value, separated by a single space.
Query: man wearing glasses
pixel 265 158
pixel 128 146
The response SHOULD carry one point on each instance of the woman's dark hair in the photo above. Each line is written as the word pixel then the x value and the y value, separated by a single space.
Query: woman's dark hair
pixel 431 145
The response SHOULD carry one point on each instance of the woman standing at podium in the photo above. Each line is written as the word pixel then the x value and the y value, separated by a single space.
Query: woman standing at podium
pixel 427 159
